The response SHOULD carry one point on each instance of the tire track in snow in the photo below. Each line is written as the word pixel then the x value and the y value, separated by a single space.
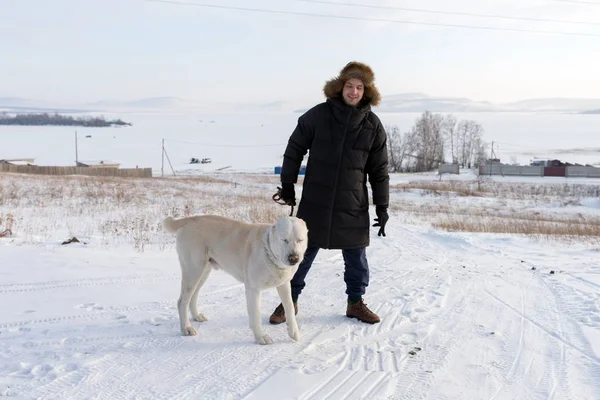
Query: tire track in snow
pixel 109 313
pixel 594 285
pixel 519 352
pixel 563 295
pixel 563 379
pixel 114 312
pixel 87 282
pixel 555 375
pixel 549 332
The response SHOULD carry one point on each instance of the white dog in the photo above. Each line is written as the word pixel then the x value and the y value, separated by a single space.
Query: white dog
pixel 261 256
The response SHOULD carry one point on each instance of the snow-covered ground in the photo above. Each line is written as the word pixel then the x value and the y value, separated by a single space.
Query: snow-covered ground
pixel 464 315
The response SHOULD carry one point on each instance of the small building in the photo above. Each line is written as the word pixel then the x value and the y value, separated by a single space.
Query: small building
pixel 302 171
pixel 549 163
pixel 97 164
pixel 18 161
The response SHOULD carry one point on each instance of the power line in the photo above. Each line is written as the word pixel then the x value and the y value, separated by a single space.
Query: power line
pixel 463 14
pixel 263 10
pixel 519 146
pixel 529 148
pixel 225 145
pixel 578 1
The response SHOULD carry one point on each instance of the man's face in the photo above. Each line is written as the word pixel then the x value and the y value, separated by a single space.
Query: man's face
pixel 353 91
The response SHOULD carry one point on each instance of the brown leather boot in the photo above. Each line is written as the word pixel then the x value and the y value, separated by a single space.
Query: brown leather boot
pixel 278 315
pixel 360 311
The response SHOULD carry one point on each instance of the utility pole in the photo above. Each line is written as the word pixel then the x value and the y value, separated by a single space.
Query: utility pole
pixel 499 164
pixel 76 155
pixel 491 158
pixel 162 167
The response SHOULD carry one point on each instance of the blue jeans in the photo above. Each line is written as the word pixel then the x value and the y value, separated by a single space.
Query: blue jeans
pixel 356 272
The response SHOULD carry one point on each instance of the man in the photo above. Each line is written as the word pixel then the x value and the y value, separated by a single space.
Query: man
pixel 347 144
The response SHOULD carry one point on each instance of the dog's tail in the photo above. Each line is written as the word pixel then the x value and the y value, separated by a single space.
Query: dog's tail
pixel 173 225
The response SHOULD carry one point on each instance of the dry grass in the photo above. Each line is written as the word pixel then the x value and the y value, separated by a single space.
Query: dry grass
pixel 7 222
pixel 500 217
pixel 526 225
pixel 567 230
pixel 129 211
pixel 126 210
pixel 195 179
pixel 440 188
pixel 503 190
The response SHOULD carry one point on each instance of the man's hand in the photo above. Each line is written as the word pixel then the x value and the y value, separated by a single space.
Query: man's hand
pixel 381 220
pixel 288 194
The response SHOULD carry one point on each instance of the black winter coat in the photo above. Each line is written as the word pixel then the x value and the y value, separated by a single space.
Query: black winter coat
pixel 345 145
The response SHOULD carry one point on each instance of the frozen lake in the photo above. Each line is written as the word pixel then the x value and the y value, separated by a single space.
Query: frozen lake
pixel 250 142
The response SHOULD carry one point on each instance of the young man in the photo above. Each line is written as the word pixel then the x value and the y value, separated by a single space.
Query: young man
pixel 347 146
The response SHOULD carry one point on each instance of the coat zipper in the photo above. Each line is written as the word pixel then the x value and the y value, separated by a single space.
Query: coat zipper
pixel 337 174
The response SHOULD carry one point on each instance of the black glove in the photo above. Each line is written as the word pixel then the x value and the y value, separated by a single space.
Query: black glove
pixel 382 219
pixel 288 194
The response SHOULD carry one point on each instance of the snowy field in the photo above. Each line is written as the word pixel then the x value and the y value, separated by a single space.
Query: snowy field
pixel 464 315
pixel 486 290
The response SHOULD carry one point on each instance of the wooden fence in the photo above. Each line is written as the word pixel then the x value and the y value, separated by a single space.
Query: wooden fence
pixel 449 169
pixel 571 171
pixel 51 170
pixel 575 171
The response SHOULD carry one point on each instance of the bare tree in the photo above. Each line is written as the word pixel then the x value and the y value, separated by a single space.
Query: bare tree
pixel 428 141
pixel 396 144
pixel 469 143
pixel 451 136
pixel 480 155
pixel 423 147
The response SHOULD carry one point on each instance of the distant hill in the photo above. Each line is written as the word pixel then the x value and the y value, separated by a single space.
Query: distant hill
pixel 557 104
pixel 400 103
pixel 20 102
pixel 418 102
pixel 23 105
pixel 177 103
pixel 168 103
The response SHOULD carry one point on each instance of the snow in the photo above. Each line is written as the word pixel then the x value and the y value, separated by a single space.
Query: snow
pixel 464 315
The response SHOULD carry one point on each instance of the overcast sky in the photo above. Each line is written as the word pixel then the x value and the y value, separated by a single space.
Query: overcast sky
pixel 88 50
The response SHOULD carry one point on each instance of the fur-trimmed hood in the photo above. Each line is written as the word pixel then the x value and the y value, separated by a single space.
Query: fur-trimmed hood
pixel 354 69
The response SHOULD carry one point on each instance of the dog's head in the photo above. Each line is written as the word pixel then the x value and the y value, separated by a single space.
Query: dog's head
pixel 289 239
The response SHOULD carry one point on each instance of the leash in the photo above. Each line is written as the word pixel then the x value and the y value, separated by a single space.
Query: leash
pixel 277 199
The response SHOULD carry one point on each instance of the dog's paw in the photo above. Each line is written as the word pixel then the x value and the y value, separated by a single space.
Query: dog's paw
pixel 200 317
pixel 294 334
pixel 264 339
pixel 189 331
